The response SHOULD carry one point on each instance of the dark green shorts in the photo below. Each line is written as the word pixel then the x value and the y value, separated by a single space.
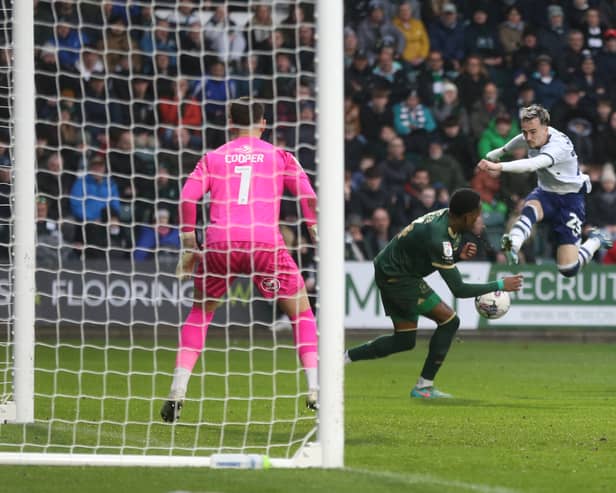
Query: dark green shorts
pixel 405 298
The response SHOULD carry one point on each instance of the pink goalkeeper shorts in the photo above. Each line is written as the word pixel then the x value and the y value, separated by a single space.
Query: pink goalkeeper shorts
pixel 271 268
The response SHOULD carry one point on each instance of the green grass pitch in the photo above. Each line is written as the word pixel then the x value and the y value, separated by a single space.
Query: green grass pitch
pixel 527 417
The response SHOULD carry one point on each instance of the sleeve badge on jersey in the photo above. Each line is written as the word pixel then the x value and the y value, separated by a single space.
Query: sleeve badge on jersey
pixel 447 250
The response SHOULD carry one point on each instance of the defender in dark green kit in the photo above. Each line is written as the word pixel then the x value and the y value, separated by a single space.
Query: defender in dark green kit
pixel 430 243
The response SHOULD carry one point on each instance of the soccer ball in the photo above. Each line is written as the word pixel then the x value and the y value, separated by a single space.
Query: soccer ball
pixel 493 305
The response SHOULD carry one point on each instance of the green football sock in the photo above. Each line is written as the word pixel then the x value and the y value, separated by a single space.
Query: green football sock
pixel 439 347
pixel 384 346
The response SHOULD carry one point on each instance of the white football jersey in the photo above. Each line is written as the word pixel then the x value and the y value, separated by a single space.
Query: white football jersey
pixel 564 175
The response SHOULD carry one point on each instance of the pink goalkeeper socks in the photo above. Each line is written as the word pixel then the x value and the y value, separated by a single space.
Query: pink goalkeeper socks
pixel 305 330
pixel 192 338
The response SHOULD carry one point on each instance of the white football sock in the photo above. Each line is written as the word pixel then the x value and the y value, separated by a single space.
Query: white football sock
pixel 179 384
pixel 312 378
pixel 422 383
pixel 347 359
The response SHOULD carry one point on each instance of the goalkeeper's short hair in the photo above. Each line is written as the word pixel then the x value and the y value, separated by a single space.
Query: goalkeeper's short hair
pixel 245 113
pixel 463 201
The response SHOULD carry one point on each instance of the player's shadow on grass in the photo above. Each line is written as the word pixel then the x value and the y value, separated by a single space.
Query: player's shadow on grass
pixel 479 403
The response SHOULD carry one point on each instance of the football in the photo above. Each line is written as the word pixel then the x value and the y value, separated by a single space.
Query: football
pixel 493 305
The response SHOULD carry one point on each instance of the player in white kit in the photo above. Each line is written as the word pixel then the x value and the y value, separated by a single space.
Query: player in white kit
pixel 559 197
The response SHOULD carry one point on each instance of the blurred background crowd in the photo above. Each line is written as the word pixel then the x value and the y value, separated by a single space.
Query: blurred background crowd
pixel 131 94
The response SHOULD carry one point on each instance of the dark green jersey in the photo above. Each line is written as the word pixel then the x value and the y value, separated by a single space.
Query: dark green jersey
pixel 425 245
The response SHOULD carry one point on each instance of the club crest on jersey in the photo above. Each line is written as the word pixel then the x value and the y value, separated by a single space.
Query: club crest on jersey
pixel 244 149
pixel 270 284
pixel 447 250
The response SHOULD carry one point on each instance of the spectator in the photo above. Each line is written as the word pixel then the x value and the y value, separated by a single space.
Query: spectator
pixel 371 195
pixel 53 185
pixel 167 192
pixel 573 55
pixel 376 114
pixel 552 38
pixel 414 122
pixel 359 77
pixel 164 75
pixel 425 203
pixel 89 63
pixel 457 145
pixel 443 169
pixel 568 108
pixel 48 237
pixel 430 81
pixel 117 43
pixel 601 121
pixel 378 233
pixel 388 73
pixel 472 80
pixel 375 31
pixel 159 240
pixel 510 31
pixel 548 87
pixel 224 37
pixel 180 110
pixel 525 59
pixel 607 12
pixel 355 246
pixel 260 27
pixel 480 37
pixel 593 31
pixel 69 43
pixel 417 43
pixel 484 110
pixel 590 84
pixel 606 150
pixel 602 202
pixel 94 203
pixel 306 48
pixel 500 131
pixel 192 53
pixel 380 147
pixel 160 40
pixel 450 105
pixel 351 47
pixel 396 169
pixel 447 35
pixel 95 110
pixel 485 251
pixel 354 146
pixel 606 59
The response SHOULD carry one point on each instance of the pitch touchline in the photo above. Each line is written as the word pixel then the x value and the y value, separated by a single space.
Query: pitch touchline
pixel 412 479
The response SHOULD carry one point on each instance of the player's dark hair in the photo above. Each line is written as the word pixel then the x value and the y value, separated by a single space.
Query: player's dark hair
pixel 243 112
pixel 463 201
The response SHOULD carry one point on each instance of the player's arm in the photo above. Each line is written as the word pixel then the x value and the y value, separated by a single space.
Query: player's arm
pixel 495 154
pixel 518 166
pixel 193 190
pixel 298 183
pixel 461 289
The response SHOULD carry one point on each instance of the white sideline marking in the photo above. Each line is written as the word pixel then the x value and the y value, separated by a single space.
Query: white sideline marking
pixel 414 479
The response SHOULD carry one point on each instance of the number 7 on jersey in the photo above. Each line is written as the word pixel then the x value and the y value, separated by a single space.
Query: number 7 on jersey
pixel 246 174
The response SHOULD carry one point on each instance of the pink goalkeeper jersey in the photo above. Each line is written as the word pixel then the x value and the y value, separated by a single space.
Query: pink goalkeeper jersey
pixel 246 179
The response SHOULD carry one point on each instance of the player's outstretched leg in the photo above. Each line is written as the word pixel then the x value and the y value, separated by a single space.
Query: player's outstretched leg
pixel 440 343
pixel 596 240
pixel 382 346
pixel 192 341
pixel 512 242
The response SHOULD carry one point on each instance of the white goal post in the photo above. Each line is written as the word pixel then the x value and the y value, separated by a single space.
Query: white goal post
pixel 18 411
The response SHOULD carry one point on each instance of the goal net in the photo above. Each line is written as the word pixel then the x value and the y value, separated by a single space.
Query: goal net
pixel 129 96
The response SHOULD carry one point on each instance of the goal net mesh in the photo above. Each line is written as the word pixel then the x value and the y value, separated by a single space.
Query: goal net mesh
pixel 139 90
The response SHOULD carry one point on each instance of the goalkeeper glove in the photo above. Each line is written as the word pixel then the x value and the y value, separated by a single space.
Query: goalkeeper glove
pixel 314 233
pixel 495 154
pixel 188 257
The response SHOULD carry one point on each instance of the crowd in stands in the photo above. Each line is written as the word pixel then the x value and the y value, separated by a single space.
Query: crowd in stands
pixel 131 94
pixel 433 86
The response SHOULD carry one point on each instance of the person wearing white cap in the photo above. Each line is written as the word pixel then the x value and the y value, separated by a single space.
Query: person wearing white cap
pixel 447 35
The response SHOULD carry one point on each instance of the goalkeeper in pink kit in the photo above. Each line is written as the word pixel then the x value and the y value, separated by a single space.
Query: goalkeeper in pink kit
pixel 246 179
